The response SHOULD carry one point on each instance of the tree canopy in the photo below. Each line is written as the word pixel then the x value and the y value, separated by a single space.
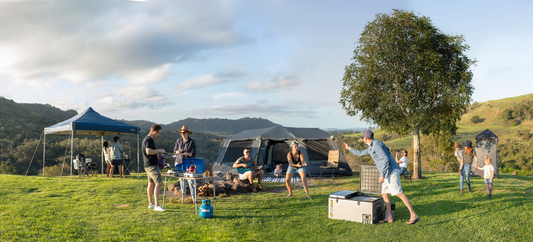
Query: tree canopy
pixel 408 77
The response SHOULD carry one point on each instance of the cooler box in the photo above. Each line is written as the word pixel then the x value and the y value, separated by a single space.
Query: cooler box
pixel 187 162
pixel 359 206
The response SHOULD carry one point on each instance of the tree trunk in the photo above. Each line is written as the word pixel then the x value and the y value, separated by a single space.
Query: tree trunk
pixel 417 164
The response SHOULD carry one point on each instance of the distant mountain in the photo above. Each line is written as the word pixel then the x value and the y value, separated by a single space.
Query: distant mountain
pixel 23 120
pixel 212 125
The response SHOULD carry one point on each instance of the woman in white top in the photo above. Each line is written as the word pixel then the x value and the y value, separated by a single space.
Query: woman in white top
pixel 402 161
pixel 107 155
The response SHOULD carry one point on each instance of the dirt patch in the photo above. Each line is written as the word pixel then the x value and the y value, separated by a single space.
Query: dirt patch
pixel 121 205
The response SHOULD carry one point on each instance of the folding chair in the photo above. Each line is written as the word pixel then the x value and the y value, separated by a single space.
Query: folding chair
pixel 91 167
pixel 80 167
pixel 333 162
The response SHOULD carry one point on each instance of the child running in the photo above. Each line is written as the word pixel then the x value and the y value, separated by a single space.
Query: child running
pixel 488 174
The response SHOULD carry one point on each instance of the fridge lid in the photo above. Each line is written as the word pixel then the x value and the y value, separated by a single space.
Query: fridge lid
pixel 369 180
pixel 344 194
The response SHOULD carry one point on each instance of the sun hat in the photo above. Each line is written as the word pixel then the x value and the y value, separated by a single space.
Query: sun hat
pixel 186 129
pixel 456 145
pixel 468 144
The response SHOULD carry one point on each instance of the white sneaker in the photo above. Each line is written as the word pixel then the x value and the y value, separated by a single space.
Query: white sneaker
pixel 151 206
pixel 159 208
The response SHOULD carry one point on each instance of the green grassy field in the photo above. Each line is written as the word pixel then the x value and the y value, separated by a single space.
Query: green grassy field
pixel 42 209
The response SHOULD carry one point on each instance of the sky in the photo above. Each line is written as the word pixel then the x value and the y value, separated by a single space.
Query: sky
pixel 167 60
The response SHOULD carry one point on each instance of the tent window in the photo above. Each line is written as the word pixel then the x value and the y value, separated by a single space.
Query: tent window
pixel 234 150
pixel 279 153
pixel 317 149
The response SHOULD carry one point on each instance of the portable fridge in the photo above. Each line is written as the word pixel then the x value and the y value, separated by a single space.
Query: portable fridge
pixel 363 206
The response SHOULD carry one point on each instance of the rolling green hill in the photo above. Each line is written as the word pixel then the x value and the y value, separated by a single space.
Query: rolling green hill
pixel 511 119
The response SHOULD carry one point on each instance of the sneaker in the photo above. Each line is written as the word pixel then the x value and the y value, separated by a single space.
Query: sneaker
pixel 151 206
pixel 159 209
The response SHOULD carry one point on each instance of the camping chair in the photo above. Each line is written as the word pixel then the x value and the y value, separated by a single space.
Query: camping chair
pixel 80 167
pixel 332 164
pixel 91 167
pixel 126 167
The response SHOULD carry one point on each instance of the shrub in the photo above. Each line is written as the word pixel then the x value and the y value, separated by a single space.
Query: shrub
pixel 8 168
pixel 476 119
pixel 56 170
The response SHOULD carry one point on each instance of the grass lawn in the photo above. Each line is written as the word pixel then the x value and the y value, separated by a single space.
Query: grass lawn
pixel 42 209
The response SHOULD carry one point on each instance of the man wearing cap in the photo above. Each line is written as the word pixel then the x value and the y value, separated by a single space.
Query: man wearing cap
pixel 389 174
pixel 116 160
pixel 152 167
pixel 185 147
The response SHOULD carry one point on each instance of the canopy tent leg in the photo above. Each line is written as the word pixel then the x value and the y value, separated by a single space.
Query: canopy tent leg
pixel 138 155
pixel 102 155
pixel 44 150
pixel 71 150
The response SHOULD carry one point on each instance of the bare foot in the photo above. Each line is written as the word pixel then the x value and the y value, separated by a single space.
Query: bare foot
pixel 290 195
pixel 309 196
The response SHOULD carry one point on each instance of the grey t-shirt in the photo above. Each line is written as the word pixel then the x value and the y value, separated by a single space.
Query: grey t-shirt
pixel 459 153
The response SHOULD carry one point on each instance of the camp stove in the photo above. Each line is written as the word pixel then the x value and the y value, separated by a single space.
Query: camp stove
pixel 363 206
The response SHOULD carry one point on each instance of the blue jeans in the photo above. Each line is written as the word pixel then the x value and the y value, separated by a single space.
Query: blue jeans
pixel 465 173
pixel 403 170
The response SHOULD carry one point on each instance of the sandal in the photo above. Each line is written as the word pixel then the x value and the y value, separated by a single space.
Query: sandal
pixel 411 222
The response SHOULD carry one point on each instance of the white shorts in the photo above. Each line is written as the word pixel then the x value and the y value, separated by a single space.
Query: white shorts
pixel 243 175
pixel 392 184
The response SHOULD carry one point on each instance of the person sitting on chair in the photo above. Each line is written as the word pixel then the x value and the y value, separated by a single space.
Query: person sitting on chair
pixel 402 162
pixel 246 171
pixel 116 150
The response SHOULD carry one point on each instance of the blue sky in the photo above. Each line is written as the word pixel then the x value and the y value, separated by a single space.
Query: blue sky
pixel 167 60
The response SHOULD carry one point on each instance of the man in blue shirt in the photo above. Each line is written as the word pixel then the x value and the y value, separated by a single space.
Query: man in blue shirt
pixel 389 173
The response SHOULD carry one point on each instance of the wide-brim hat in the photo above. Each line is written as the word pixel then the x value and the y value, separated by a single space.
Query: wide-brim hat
pixel 468 144
pixel 186 129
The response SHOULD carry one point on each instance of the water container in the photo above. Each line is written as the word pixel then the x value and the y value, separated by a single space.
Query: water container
pixel 206 210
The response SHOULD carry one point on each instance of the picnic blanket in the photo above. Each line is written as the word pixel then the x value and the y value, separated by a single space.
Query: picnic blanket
pixel 280 179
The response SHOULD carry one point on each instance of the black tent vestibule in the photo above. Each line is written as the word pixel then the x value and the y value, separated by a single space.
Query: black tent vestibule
pixel 90 123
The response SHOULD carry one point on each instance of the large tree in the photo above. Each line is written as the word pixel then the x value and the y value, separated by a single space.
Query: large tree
pixel 408 77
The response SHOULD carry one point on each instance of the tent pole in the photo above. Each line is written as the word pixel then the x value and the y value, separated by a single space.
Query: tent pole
pixel 102 155
pixel 71 150
pixel 44 150
pixel 137 154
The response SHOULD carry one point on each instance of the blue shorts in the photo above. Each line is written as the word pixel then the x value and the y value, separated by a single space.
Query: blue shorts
pixel 487 181
pixel 291 170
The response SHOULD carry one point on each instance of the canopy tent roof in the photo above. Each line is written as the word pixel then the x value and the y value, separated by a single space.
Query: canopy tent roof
pixel 281 133
pixel 487 135
pixel 91 123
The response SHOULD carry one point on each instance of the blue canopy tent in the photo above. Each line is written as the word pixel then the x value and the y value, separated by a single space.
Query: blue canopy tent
pixel 90 123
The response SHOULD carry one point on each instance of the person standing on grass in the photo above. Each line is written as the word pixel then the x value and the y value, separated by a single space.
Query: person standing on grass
pixel 402 162
pixel 469 156
pixel 107 155
pixel 116 159
pixel 185 147
pixel 297 164
pixel 152 167
pixel 389 174
pixel 488 174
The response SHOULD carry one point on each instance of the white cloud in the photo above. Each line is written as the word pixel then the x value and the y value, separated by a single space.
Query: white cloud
pixel 154 75
pixel 256 109
pixel 229 95
pixel 272 84
pixel 201 81
pixel 82 41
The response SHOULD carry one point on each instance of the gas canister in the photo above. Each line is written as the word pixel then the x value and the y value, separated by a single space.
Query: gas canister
pixel 206 210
